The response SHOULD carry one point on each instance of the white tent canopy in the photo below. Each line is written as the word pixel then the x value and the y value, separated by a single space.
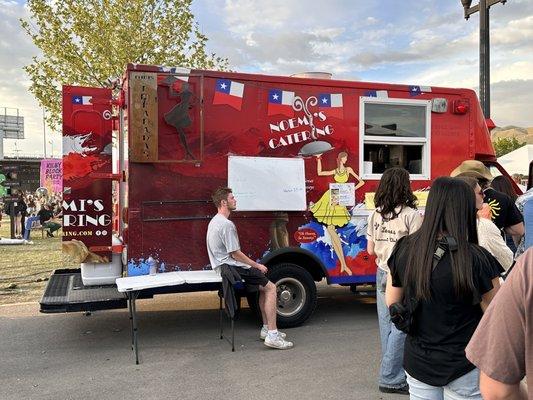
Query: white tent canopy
pixel 517 161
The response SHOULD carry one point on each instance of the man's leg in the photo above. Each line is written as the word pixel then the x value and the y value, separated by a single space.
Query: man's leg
pixel 267 303
pixel 262 306
pixel 54 226
pixel 274 338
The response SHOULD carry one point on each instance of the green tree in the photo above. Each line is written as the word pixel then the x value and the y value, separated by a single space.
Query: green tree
pixel 503 146
pixel 86 43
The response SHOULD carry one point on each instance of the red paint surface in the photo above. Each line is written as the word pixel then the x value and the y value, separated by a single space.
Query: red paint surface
pixel 80 190
pixel 174 226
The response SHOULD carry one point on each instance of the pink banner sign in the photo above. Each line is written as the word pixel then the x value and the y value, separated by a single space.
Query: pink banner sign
pixel 52 175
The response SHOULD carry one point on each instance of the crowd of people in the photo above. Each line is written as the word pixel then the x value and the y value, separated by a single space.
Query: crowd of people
pixel 38 208
pixel 451 326
pixel 447 329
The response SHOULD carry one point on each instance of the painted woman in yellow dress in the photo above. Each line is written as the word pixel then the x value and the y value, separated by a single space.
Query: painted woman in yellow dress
pixel 329 212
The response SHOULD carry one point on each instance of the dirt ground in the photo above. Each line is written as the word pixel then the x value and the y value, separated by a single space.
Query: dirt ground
pixel 24 269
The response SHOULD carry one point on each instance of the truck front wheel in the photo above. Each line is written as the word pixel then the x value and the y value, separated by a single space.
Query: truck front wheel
pixel 296 294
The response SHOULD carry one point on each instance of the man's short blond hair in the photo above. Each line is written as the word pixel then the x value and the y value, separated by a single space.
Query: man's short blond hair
pixel 221 194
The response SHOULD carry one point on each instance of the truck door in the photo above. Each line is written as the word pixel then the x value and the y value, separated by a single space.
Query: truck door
pixel 87 167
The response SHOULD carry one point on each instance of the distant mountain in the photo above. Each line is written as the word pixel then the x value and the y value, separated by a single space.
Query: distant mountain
pixel 511 131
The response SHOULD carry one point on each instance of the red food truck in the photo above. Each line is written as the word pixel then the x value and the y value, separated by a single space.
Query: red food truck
pixel 142 165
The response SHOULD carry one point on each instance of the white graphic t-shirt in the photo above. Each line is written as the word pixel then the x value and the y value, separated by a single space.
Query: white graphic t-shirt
pixel 385 232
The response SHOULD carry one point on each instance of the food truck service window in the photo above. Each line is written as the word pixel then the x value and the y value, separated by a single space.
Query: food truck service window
pixel 394 133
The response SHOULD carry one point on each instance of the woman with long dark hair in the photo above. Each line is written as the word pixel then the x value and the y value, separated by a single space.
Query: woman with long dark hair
pixel 503 184
pixel 395 216
pixel 447 280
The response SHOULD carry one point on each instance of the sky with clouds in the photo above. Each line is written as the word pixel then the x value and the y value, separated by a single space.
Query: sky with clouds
pixel 419 42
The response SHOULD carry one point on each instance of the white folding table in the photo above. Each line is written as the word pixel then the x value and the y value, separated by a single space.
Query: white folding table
pixel 132 286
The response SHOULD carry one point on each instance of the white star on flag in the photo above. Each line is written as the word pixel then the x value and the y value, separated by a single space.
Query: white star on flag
pixel 324 100
pixel 223 86
pixel 275 96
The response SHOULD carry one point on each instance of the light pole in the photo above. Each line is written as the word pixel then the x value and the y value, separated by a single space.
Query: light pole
pixel 484 48
pixel 44 133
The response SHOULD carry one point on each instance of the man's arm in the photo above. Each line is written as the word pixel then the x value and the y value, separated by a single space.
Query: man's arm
pixel 492 389
pixel 240 256
pixel 516 229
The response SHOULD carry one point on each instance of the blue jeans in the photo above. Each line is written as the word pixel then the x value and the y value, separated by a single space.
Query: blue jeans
pixel 27 226
pixel 463 388
pixel 391 372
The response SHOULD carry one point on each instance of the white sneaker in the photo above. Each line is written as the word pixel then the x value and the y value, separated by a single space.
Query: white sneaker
pixel 264 333
pixel 278 343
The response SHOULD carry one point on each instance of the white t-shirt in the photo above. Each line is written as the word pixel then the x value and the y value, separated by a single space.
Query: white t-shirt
pixel 222 239
pixel 385 232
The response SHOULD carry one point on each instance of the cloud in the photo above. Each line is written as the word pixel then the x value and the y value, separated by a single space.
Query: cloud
pixel 16 51
pixel 412 42
pixel 511 102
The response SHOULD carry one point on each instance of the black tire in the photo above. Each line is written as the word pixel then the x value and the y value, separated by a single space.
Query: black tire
pixel 296 293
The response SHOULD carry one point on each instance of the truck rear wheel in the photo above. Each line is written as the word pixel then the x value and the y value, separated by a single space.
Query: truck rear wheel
pixel 296 294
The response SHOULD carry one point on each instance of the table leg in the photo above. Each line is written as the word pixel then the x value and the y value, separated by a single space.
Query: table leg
pixel 128 294
pixel 135 294
pixel 220 317
pixel 132 296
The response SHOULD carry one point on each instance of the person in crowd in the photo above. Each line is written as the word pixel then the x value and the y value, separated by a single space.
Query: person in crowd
pixel 503 184
pixel 517 178
pixel 503 210
pixel 20 214
pixel 32 206
pixel 488 234
pixel 394 217
pixel 32 211
pixel 223 248
pixel 502 345
pixel 29 223
pixel 58 210
pixel 446 281
pixel 524 203
pixel 46 217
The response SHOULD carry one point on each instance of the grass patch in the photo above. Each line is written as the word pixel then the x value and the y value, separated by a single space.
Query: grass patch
pixel 24 269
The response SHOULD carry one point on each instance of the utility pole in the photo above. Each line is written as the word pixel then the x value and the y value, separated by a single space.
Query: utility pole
pixel 44 133
pixel 484 48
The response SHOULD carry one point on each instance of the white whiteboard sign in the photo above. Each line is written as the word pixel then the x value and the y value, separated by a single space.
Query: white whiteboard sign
pixel 267 183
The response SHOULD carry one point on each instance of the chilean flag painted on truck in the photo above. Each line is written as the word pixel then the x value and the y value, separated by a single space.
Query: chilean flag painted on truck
pixel 229 93
pixel 280 102
pixel 331 104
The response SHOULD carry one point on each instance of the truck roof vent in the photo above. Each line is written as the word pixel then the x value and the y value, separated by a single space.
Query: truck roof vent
pixel 314 75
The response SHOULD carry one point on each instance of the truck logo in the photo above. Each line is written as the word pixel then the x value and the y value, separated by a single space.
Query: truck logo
pixel 306 125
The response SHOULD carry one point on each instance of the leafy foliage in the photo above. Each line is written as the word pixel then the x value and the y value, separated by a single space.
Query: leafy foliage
pixel 86 43
pixel 503 146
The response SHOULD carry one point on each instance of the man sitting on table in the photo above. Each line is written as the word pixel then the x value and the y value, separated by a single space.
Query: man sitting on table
pixel 223 248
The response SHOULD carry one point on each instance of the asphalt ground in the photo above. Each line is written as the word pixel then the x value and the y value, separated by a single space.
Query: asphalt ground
pixel 73 356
